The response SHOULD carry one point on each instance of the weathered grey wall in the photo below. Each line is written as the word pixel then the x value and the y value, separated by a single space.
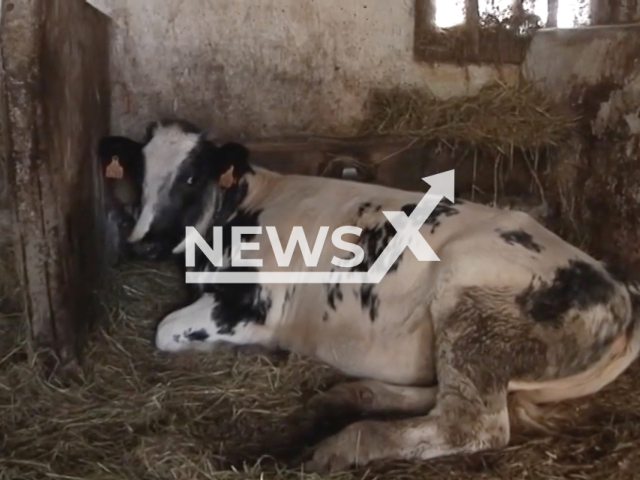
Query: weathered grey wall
pixel 273 67
pixel 598 71
pixel 279 67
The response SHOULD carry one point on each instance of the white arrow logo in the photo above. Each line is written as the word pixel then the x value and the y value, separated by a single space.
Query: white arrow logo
pixel 408 235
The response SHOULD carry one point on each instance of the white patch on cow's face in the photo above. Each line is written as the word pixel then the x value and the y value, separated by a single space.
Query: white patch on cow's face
pixel 200 227
pixel 163 155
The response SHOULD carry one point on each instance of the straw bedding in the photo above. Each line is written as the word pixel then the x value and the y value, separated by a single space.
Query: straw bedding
pixel 140 414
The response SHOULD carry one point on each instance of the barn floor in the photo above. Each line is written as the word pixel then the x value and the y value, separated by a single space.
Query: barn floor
pixel 139 414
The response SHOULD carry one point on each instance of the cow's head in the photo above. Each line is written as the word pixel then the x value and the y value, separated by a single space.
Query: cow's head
pixel 180 174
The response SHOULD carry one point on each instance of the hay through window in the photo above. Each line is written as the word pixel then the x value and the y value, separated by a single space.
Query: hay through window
pixel 495 38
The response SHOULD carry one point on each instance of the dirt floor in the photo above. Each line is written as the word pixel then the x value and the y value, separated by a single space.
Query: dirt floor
pixel 138 414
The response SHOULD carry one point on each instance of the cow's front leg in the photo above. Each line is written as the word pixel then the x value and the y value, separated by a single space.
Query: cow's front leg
pixel 196 327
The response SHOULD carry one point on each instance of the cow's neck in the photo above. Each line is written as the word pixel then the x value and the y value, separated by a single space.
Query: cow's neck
pixel 222 205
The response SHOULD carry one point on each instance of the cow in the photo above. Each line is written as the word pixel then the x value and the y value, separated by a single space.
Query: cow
pixel 510 312
pixel 121 178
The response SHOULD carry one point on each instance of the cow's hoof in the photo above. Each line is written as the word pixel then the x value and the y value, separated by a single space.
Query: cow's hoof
pixel 355 446
pixel 327 462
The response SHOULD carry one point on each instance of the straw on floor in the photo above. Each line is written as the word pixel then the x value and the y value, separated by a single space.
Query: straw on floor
pixel 139 414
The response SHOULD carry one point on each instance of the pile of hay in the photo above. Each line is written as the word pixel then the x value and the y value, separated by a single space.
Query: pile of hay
pixel 500 131
pixel 138 414
pixel 499 118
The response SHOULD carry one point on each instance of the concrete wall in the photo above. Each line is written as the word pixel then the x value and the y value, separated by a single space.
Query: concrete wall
pixel 278 67
pixel 273 67
pixel 598 71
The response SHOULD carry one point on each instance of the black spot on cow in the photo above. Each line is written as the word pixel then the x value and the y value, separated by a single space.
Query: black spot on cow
pixel 373 241
pixel 369 300
pixel 522 238
pixel 363 208
pixel 409 208
pixel 578 285
pixel 232 198
pixel 197 336
pixel 334 292
pixel 176 338
pixel 325 317
pixel 368 207
pixel 292 291
pixel 436 217
pixel 239 303
pixel 288 295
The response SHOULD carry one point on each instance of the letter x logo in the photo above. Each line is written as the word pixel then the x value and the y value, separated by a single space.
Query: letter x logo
pixel 408 227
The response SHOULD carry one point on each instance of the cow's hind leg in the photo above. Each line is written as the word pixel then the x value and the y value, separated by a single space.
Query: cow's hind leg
pixel 373 397
pixel 474 357
pixel 463 421
pixel 195 327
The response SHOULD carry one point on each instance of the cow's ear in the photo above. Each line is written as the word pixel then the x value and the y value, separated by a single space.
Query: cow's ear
pixel 118 155
pixel 232 162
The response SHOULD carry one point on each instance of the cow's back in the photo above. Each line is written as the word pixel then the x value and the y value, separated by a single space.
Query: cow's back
pixel 478 246
pixel 485 245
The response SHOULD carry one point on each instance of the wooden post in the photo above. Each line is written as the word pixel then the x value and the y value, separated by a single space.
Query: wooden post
pixel 601 12
pixel 552 15
pixel 472 20
pixel 55 58
pixel 19 39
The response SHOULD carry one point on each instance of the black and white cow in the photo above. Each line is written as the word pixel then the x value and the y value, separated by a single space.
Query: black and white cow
pixel 120 163
pixel 509 310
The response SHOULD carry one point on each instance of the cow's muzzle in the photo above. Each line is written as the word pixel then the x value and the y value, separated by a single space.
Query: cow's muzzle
pixel 148 250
